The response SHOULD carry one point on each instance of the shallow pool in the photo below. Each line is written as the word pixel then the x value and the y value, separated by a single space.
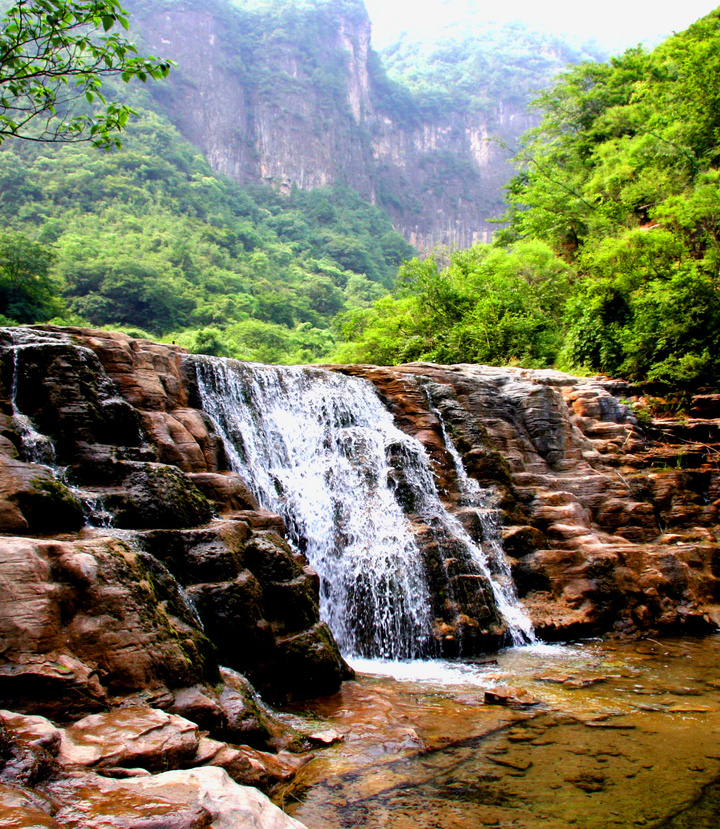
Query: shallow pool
pixel 602 734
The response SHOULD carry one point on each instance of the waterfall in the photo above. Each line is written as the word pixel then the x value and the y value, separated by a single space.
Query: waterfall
pixel 489 556
pixel 313 446
pixel 320 449
pixel 36 447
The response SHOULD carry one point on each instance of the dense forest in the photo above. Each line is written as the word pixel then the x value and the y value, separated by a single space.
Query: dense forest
pixel 473 67
pixel 609 262
pixel 149 239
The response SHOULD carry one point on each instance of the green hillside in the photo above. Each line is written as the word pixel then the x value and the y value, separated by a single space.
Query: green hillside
pixel 611 261
pixel 150 238
pixel 473 67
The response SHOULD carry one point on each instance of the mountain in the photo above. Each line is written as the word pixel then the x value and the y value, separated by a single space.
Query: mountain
pixel 292 94
pixel 611 261
pixel 259 191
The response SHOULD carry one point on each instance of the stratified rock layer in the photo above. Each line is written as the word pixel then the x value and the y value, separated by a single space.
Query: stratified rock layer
pixel 157 608
pixel 610 527
pixel 117 635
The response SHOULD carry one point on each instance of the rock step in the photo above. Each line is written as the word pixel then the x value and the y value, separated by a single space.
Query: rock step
pixel 696 430
pixel 705 406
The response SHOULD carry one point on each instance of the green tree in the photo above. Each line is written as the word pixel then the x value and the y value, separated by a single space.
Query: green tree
pixel 27 291
pixel 54 56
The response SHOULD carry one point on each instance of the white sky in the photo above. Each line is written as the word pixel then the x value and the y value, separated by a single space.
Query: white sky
pixel 615 24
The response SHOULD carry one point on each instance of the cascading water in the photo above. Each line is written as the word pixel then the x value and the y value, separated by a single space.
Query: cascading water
pixel 312 444
pixel 315 447
pixel 490 556
pixel 35 446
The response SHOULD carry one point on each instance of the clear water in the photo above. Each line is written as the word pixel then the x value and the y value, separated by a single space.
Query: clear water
pixel 621 735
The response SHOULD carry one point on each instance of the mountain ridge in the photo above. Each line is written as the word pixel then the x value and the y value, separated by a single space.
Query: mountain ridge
pixel 295 95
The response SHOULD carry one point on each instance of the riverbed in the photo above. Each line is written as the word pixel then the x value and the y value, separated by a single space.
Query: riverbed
pixel 592 734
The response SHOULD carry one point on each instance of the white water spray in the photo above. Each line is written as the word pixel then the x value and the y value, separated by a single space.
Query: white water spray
pixel 489 556
pixel 315 447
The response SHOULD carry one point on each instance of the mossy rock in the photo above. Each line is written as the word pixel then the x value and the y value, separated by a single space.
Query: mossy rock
pixel 49 506
pixel 158 496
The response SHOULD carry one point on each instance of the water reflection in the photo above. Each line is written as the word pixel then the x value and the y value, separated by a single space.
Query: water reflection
pixel 618 734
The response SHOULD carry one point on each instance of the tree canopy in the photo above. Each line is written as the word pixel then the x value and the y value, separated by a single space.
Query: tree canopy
pixel 149 239
pixel 611 261
pixel 54 57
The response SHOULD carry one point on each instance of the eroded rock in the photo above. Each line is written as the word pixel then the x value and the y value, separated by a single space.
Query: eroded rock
pixel 83 619
pixel 134 737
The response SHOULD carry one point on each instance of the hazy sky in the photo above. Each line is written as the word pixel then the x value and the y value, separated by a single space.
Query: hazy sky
pixel 616 24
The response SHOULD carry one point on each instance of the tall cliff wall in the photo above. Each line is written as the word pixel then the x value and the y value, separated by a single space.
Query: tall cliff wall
pixel 303 101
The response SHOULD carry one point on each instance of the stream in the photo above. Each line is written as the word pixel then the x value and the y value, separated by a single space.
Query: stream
pixel 604 734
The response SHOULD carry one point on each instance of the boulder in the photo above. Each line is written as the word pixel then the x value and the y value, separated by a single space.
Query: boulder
pixel 199 798
pixel 38 731
pixel 134 737
pixel 81 620
pixel 19 810
pixel 89 801
pixel 251 767
pixel 157 495
pixel 230 805
pixel 33 500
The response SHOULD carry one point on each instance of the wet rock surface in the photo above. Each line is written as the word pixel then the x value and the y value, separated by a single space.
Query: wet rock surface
pixel 97 773
pixel 134 563
pixel 611 527
pixel 204 798
pixel 100 424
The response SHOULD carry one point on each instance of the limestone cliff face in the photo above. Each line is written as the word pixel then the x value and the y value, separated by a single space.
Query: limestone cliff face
pixel 442 182
pixel 305 106
pixel 270 114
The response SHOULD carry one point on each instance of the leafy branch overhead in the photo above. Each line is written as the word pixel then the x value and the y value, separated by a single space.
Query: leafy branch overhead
pixel 54 57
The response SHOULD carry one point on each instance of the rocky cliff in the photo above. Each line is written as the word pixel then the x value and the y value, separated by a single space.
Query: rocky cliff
pixel 302 100
pixel 135 563
pixel 96 431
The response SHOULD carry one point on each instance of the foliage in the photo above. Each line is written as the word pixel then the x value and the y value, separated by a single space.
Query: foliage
pixel 27 291
pixel 149 237
pixel 621 178
pixel 472 69
pixel 611 262
pixel 54 56
pixel 489 305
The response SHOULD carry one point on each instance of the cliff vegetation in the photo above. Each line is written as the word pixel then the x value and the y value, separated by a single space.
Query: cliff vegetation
pixel 149 238
pixel 610 261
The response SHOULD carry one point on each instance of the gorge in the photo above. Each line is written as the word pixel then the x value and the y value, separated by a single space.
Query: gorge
pixel 297 97
pixel 170 520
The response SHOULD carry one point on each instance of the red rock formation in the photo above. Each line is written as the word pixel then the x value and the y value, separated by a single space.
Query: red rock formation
pixel 611 527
